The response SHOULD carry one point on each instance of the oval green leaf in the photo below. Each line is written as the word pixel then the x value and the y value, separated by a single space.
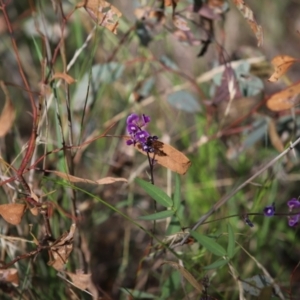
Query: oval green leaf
pixel 156 193
pixel 209 244
pixel 157 216
pixel 216 264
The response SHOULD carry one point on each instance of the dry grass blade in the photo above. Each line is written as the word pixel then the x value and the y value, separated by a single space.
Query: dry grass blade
pixel 281 63
pixel 71 178
pixel 12 213
pixel 274 137
pixel 186 274
pixel 8 113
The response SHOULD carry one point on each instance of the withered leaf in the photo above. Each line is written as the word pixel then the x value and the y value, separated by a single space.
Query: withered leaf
pixel 8 113
pixel 81 281
pixel 71 178
pixel 284 99
pixel 60 250
pixel 186 274
pixel 10 275
pixel 281 63
pixel 180 23
pixel 103 13
pixel 249 17
pixel 167 156
pixel 12 212
pixel 67 78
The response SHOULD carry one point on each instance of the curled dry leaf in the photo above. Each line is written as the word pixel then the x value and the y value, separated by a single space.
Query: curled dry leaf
pixel 103 13
pixel 71 178
pixel 284 99
pixel 281 63
pixel 12 213
pixel 167 156
pixel 61 250
pixel 10 275
pixel 180 23
pixel 81 281
pixel 67 78
pixel 248 15
pixel 186 274
pixel 8 113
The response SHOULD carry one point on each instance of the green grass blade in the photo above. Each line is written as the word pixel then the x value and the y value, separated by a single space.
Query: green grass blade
pixel 231 241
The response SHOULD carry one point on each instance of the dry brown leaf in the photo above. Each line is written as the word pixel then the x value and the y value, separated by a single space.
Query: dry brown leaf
pixel 12 213
pixel 68 79
pixel 71 178
pixel 180 23
pixel 171 2
pixel 186 274
pixel 103 13
pixel 248 15
pixel 281 63
pixel 167 156
pixel 8 113
pixel 10 275
pixel 274 137
pixel 284 99
pixel 81 281
pixel 61 250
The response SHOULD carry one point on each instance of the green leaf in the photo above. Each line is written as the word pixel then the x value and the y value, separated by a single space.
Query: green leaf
pixel 137 294
pixel 216 264
pixel 231 241
pixel 209 244
pixel 183 100
pixel 177 194
pixel 156 193
pixel 157 216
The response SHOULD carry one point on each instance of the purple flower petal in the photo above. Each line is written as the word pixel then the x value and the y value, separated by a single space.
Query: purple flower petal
pixel 133 118
pixel 269 211
pixel 141 136
pixel 146 119
pixel 129 142
pixel 293 203
pixel 293 220
pixel 132 128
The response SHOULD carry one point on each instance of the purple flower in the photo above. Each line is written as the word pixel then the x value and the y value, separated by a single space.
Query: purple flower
pixel 142 136
pixel 293 203
pixel 294 219
pixel 269 211
pixel 139 135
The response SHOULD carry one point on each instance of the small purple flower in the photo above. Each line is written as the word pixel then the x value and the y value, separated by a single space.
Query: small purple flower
pixel 142 136
pixel 133 118
pixel 269 211
pixel 137 134
pixel 294 219
pixel 293 203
